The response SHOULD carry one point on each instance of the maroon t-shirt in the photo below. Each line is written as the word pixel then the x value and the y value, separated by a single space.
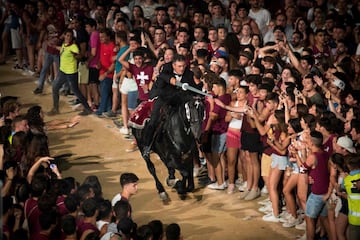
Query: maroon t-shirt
pixel 142 76
pixel 219 126
pixel 320 174
pixel 328 145
pixel 32 214
pixel 60 206
pixel 83 226
pixel 40 236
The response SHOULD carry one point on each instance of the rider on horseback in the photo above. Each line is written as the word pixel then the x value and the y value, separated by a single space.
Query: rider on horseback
pixel 168 94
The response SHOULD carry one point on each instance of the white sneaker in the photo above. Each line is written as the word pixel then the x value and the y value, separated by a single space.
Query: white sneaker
pixel 271 218
pixel 216 186
pixel 124 131
pixel 265 202
pixel 284 216
pixel 301 226
pixel 264 191
pixel 292 222
pixel 243 186
pixel 77 107
pixel 267 208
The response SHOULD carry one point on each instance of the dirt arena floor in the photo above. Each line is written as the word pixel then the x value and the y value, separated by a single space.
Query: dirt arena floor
pixel 95 147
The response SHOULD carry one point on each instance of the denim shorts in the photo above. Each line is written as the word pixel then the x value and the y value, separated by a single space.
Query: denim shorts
pixel 218 143
pixel 279 162
pixel 315 206
pixel 132 99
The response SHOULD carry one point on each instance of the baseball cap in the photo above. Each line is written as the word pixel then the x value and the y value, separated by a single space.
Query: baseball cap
pixel 346 143
pixel 339 83
pixel 247 54
pixel 220 53
pixel 215 62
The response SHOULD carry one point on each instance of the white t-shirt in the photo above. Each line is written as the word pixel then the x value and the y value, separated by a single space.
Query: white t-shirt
pixel 115 199
pixel 262 18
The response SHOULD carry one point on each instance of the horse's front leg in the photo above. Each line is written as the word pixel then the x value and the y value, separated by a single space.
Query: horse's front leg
pixel 171 180
pixel 163 195
pixel 180 185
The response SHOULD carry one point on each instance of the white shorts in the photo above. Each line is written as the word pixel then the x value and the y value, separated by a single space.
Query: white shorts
pixel 128 85
pixel 16 41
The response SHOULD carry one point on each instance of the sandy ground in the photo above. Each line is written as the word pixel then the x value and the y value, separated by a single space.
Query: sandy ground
pixel 95 147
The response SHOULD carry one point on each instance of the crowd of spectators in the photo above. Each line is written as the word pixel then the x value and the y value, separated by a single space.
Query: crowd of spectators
pixel 286 76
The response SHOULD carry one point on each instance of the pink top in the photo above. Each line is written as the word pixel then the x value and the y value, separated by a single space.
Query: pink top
pixel 94 42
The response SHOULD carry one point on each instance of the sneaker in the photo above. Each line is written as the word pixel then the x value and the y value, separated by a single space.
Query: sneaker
pixel 264 191
pixel 133 147
pixel 266 209
pixel 37 91
pixel 128 137
pixel 238 182
pixel 77 107
pixel 53 112
pixel 99 114
pixel 17 67
pixel 265 202
pixel 243 186
pixel 74 102
pixel 202 161
pixel 244 194
pixel 271 218
pixel 301 226
pixel 118 122
pixel 292 222
pixel 124 130
pixel 85 112
pixel 109 114
pixel 284 216
pixel 231 188
pixel 216 186
pixel 252 195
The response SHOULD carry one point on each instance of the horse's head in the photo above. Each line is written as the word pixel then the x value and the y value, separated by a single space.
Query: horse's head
pixel 195 112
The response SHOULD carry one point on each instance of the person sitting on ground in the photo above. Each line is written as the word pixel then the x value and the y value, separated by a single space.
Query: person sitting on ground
pixel 35 118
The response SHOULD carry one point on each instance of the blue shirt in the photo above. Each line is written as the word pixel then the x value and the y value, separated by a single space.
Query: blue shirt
pixel 118 65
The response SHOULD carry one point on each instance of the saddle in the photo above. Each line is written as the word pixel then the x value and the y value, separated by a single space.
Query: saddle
pixel 141 114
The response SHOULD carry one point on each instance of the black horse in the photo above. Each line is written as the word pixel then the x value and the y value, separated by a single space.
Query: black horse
pixel 175 143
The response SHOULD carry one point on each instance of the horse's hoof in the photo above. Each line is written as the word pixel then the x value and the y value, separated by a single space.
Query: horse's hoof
pixel 164 196
pixel 182 196
pixel 171 182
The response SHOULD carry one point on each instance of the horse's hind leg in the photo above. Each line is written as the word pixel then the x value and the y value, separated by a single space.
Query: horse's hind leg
pixel 190 182
pixel 159 186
